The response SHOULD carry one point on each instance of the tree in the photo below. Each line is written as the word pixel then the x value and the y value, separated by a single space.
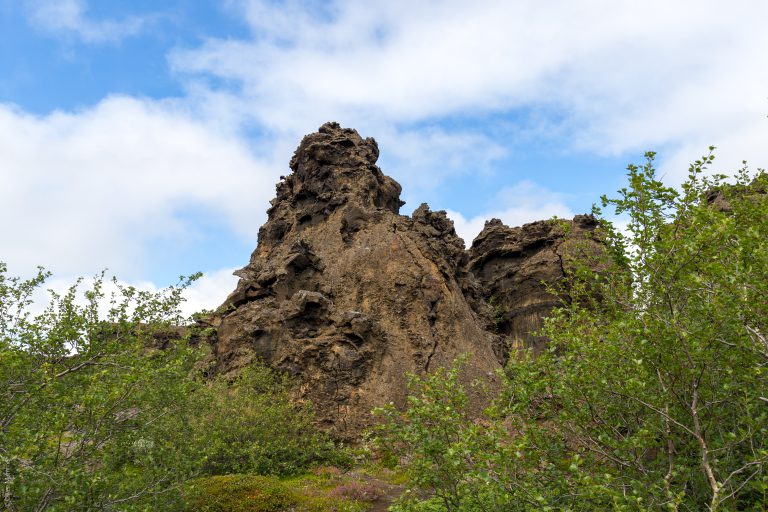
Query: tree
pixel 657 385
pixel 104 404
pixel 443 444
pixel 652 394
pixel 90 409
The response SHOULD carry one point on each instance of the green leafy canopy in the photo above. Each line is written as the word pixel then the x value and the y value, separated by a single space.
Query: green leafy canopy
pixel 652 394
pixel 103 404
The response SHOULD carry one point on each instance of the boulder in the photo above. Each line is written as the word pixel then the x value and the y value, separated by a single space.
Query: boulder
pixel 519 267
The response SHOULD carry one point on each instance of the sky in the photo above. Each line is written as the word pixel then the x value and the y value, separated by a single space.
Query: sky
pixel 146 136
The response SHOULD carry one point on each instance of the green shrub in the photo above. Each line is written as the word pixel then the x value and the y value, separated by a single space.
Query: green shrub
pixel 89 412
pixel 652 395
pixel 445 451
pixel 428 505
pixel 249 425
pixel 94 416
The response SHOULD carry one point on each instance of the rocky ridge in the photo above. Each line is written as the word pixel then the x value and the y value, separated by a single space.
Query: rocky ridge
pixel 349 296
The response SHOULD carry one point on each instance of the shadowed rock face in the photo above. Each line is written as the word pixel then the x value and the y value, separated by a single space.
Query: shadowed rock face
pixel 516 266
pixel 349 296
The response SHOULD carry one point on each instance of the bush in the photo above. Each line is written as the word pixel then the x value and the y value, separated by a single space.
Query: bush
pixel 249 425
pixel 653 394
pixel 88 409
pixel 94 415
pixel 445 450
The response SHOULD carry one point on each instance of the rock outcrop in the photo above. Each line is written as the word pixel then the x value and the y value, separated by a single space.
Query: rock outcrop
pixel 349 296
pixel 516 266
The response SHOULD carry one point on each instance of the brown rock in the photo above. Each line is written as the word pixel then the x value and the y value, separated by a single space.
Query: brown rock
pixel 349 296
pixel 516 266
pixel 345 293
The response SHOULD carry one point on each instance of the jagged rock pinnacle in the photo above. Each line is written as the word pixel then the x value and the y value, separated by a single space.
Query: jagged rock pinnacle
pixel 349 296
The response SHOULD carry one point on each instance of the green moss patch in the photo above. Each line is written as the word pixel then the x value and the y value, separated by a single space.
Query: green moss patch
pixel 239 493
pixel 325 490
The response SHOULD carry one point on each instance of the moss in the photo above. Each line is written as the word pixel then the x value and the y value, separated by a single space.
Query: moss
pixel 317 493
pixel 238 493
pixel 251 493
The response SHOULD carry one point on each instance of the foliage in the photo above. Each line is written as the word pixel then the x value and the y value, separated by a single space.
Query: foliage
pixel 448 452
pixel 658 386
pixel 249 425
pixel 85 401
pixel 652 395
pixel 102 408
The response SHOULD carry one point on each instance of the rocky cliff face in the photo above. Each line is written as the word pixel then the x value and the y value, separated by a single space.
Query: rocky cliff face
pixel 517 265
pixel 349 296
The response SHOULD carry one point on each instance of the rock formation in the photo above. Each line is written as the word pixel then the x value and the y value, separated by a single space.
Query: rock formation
pixel 349 296
pixel 517 265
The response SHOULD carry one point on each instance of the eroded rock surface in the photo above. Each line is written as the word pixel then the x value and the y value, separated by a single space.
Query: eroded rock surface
pixel 516 265
pixel 346 294
pixel 349 296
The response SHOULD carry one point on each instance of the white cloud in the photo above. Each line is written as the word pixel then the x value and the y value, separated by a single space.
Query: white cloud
pixel 91 189
pixel 65 17
pixel 515 206
pixel 421 158
pixel 620 76
pixel 210 291
pixel 207 293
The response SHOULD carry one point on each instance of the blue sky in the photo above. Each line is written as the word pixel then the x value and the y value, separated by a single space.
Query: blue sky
pixel 147 136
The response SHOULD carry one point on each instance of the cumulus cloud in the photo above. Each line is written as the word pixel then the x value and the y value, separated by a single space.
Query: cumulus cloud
pixel 422 158
pixel 210 291
pixel 69 17
pixel 517 205
pixel 432 81
pixel 94 188
pixel 618 76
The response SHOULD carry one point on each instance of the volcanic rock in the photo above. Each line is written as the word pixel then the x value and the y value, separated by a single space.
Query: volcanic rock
pixel 346 294
pixel 349 296
pixel 518 267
